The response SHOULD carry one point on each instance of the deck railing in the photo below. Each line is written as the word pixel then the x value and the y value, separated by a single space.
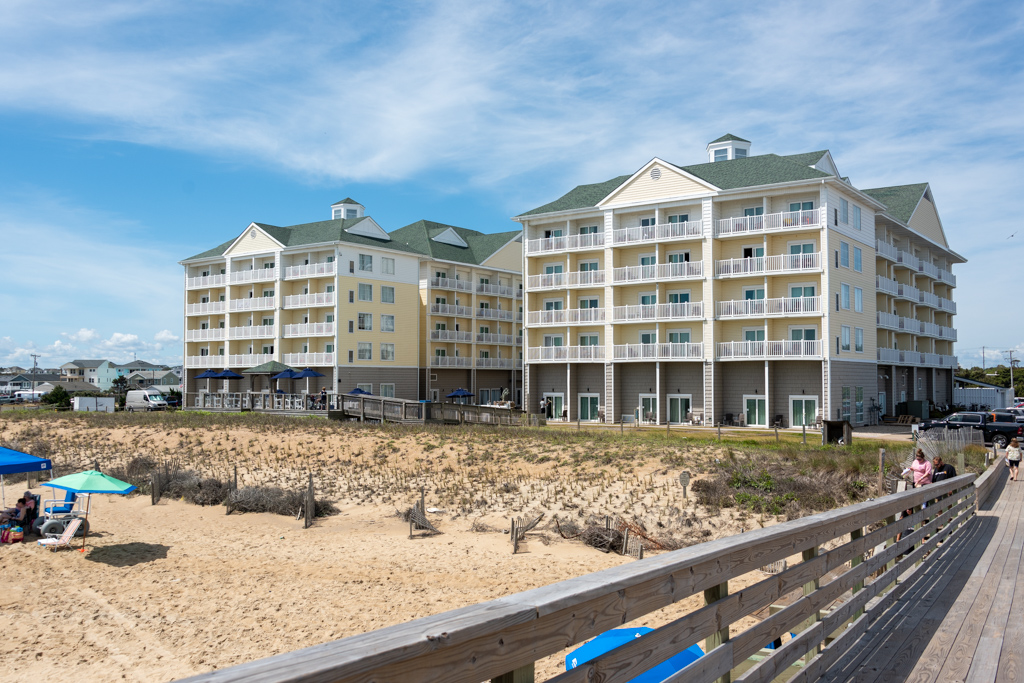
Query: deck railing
pixel 503 638
pixel 777 307
pixel 776 264
pixel 771 222
pixel 251 332
pixel 784 348
pixel 311 270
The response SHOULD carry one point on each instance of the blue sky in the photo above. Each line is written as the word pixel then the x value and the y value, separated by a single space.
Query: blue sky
pixel 134 134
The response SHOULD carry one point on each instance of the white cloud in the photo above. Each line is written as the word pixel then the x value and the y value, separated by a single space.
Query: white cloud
pixel 165 336
pixel 83 335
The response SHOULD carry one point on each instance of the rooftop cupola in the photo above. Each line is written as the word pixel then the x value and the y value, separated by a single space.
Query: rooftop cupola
pixel 728 147
pixel 347 208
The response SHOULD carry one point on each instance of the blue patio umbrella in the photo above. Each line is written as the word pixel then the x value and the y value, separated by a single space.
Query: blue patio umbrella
pixel 359 392
pixel 307 373
pixel 284 374
pixel 609 640
pixel 208 375
pixel 460 393
pixel 228 374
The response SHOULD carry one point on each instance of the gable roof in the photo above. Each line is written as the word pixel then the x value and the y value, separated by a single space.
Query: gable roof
pixel 420 237
pixel 319 232
pixel 764 169
pixel 347 200
pixel 900 200
pixel 806 158
pixel 85 364
pixel 727 138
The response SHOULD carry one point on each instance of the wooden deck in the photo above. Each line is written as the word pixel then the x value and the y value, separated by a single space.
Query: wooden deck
pixel 961 616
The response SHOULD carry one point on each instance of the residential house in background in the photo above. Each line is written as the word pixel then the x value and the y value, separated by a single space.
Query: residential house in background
pixel 100 373
pixel 158 378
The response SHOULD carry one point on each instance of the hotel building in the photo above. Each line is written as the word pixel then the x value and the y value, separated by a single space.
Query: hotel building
pixel 748 289
pixel 355 303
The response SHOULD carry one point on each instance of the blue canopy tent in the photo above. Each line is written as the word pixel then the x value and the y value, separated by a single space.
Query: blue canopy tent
pixel 16 462
pixel 609 640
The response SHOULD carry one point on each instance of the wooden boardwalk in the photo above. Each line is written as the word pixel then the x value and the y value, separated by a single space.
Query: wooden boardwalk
pixel 961 618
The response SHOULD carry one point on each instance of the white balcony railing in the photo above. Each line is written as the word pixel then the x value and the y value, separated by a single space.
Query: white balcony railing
pixel 568 316
pixel 901 357
pixel 886 286
pixel 947 305
pixel 660 233
pixel 777 264
pixel 311 270
pixel 690 310
pixel 251 332
pixel 309 330
pixel 947 333
pixel 762 308
pixel 585 278
pixel 495 314
pixel 888 321
pixel 888 355
pixel 254 275
pixel 491 338
pixel 255 303
pixel 249 360
pixel 205 308
pixel 770 222
pixel 451 362
pixel 906 259
pixel 309 359
pixel 451 309
pixel 908 292
pixel 451 284
pixel 927 269
pixel 568 354
pixel 211 334
pixel 758 350
pixel 495 290
pixel 205 361
pixel 546 281
pixel 928 299
pixel 450 336
pixel 307 300
pixel 565 243
pixel 885 250
pixel 947 277
pixel 684 270
pixel 660 351
pixel 206 281
pixel 498 363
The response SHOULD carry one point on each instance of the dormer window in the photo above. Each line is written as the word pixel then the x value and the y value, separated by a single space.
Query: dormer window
pixel 337 214
pixel 350 213
pixel 721 155
pixel 739 153
pixel 728 147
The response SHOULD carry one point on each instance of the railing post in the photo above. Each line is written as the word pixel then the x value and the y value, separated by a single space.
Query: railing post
pixel 881 471
pixel 857 587
pixel 809 588
pixel 712 595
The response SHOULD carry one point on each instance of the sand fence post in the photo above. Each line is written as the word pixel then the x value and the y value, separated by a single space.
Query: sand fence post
pixel 881 472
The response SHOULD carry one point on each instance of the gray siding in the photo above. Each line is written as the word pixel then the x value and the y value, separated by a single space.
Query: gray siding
pixel 943 386
pixel 448 380
pixel 405 380
pixel 793 378
pixel 737 379
pixel 853 375
pixel 495 379
pixel 681 378
pixel 548 378
pixel 633 379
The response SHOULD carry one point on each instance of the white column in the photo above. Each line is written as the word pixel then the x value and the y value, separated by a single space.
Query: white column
pixel 767 396
pixel 657 392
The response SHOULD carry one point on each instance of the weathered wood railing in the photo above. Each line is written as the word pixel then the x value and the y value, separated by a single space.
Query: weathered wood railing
pixel 501 639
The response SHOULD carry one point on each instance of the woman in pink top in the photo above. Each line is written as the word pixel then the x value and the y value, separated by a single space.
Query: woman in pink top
pixel 922 469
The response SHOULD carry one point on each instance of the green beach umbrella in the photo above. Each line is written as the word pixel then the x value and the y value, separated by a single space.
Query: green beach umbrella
pixel 90 482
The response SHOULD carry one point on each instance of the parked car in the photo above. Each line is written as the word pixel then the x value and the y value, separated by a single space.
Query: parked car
pixel 7 399
pixel 997 433
pixel 172 400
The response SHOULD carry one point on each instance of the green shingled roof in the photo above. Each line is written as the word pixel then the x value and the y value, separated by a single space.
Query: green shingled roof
pixel 900 200
pixel 312 233
pixel 807 158
pixel 727 137
pixel 419 237
pixel 346 200
pixel 765 169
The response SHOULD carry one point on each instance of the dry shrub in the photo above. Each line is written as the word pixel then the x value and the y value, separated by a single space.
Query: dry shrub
pixel 276 500
pixel 606 540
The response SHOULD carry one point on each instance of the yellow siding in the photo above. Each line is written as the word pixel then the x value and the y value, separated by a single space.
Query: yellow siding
pixel 926 222
pixel 262 242
pixel 406 310
pixel 671 184
pixel 866 319
pixel 509 257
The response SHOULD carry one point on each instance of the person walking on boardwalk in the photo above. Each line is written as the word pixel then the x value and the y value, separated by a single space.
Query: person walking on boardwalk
pixel 922 469
pixel 941 470
pixel 1013 458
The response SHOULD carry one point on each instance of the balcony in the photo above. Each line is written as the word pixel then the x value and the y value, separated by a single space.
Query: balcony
pixel 255 303
pixel 251 332
pixel 770 222
pixel 659 351
pixel 907 260
pixel 451 362
pixel 549 245
pixel 659 312
pixel 205 361
pixel 927 269
pixel 451 336
pixel 451 309
pixel 886 286
pixel 779 264
pixel 885 250
pixel 908 292
pixel 311 270
pixel 212 334
pixel 659 233
pixel 947 305
pixel 495 363
pixel 768 308
pixel 785 349
pixel 488 338
pixel 928 299
pixel 206 281
pixel 205 308
pixel 254 275
pixel 684 270
pixel 309 300
pixel 249 360
pixel 309 330
pixel 565 354
pixel 495 314
pixel 450 284
pixel 887 321
pixel 900 357
pixel 567 316
pixel 947 333
pixel 309 359
pixel 947 277
pixel 495 290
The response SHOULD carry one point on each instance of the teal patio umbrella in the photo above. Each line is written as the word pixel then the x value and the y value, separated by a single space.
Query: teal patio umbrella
pixel 90 481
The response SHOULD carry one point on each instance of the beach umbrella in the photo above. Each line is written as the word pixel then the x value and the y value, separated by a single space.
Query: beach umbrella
pixel 16 462
pixel 284 374
pixel 307 373
pixel 359 392
pixel 228 374
pixel 208 375
pixel 460 393
pixel 90 482
pixel 609 640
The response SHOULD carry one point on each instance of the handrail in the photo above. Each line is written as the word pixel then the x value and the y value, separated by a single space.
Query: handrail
pixel 488 640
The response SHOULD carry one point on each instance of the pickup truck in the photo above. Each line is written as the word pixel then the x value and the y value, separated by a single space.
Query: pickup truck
pixel 997 433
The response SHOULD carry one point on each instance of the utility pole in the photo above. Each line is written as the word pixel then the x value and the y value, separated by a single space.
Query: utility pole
pixel 35 368
pixel 1010 354
pixel 982 357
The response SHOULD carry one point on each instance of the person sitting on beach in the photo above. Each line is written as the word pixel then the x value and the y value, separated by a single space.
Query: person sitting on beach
pixel 15 514
pixel 31 511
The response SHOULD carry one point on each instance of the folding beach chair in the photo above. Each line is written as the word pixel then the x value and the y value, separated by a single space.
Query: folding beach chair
pixel 54 541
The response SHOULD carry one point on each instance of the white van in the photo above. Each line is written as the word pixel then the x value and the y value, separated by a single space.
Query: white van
pixel 144 399
pixel 28 396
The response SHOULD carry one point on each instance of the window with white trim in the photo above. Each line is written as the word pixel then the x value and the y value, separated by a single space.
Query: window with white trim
pixel 366 322
pixel 844 344
pixel 844 211
pixel 387 323
pixel 858 299
pixel 844 295
pixel 387 294
pixel 856 217
pixel 365 351
pixel 387 390
pixel 858 259
pixel 858 404
pixel 858 339
pixel 365 292
pixel 845 415
pixel 844 254
pixel 387 265
pixel 387 351
pixel 366 263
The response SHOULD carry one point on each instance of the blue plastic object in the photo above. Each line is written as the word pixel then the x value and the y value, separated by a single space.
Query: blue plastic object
pixel 609 640
pixel 15 462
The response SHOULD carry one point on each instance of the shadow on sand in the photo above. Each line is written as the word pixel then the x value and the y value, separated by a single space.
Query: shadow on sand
pixel 128 554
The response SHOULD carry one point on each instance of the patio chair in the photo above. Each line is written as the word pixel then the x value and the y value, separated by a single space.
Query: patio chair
pixel 728 419
pixel 54 541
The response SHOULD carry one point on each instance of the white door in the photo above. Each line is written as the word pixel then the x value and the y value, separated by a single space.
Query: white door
pixel 678 408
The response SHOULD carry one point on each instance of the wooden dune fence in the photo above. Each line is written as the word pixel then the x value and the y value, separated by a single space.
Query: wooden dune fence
pixel 500 640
